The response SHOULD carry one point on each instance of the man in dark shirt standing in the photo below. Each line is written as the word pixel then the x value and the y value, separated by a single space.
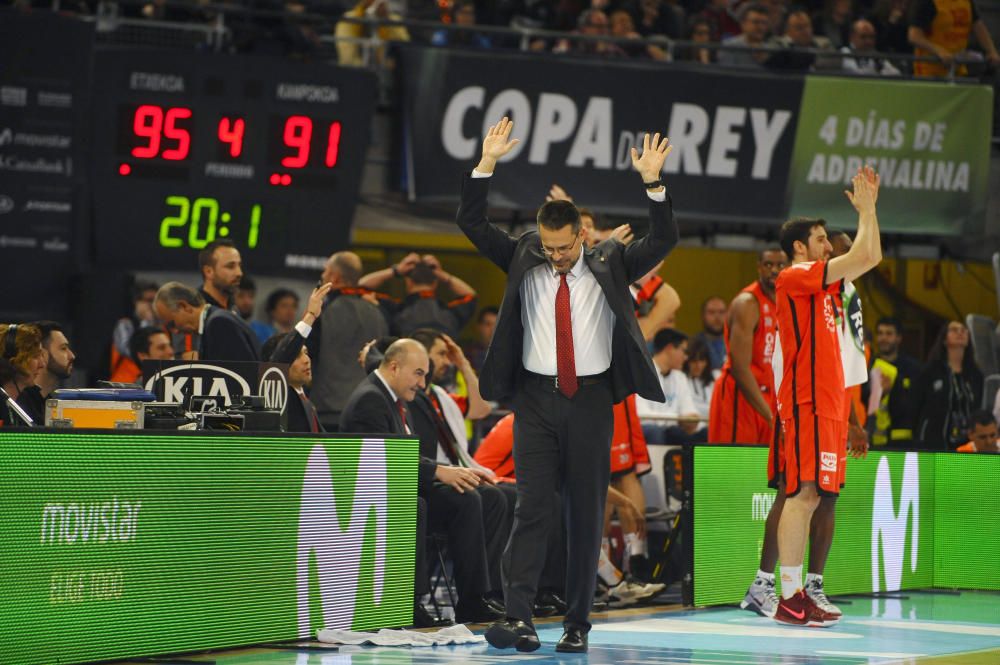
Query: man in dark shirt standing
pixel 893 374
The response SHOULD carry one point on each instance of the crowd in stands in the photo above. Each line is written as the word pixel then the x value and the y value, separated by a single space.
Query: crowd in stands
pixel 789 36
pixel 361 361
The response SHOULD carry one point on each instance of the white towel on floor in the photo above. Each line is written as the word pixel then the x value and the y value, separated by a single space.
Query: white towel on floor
pixel 457 634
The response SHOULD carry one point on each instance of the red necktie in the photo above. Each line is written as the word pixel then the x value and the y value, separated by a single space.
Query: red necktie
pixel 565 362
pixel 310 413
pixel 402 415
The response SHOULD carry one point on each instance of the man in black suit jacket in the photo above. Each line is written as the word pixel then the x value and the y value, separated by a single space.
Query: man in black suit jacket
pixel 289 348
pixel 378 406
pixel 224 335
pixel 566 347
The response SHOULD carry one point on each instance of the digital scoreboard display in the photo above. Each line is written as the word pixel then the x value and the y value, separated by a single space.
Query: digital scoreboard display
pixel 187 149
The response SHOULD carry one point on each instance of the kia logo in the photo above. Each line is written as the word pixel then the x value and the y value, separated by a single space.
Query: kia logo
pixel 199 379
pixel 274 388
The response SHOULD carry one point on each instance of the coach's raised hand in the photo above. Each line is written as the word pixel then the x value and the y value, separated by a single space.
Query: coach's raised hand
pixel 496 144
pixel 650 164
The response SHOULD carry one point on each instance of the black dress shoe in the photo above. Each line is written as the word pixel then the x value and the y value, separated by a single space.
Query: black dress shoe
pixel 574 640
pixel 423 619
pixel 542 610
pixel 553 598
pixel 512 633
pixel 477 610
pixel 496 604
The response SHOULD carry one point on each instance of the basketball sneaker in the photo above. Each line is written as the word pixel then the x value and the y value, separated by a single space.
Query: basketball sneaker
pixel 800 610
pixel 814 589
pixel 761 598
pixel 626 593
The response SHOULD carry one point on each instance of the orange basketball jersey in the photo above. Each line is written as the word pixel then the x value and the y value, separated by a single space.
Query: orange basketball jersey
pixel 807 327
pixel 731 418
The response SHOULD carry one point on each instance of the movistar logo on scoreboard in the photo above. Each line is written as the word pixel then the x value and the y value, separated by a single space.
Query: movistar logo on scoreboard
pixel 332 544
pixel 890 524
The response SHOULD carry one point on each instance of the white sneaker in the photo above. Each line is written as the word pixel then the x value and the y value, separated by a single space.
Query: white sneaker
pixel 814 589
pixel 653 589
pixel 626 593
pixel 761 598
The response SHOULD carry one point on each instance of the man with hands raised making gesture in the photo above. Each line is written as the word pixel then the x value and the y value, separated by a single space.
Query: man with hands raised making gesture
pixel 567 346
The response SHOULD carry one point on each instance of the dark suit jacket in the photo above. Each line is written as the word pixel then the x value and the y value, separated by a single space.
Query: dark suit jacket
pixel 614 265
pixel 297 413
pixel 227 337
pixel 370 410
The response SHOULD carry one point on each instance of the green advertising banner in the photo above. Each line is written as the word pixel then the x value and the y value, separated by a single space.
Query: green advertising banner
pixel 966 522
pixel 884 539
pixel 928 141
pixel 124 545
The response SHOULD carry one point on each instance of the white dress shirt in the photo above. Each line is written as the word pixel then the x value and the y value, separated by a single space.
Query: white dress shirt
pixel 593 320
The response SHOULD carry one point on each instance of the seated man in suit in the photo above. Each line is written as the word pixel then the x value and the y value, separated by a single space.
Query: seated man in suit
pixel 378 406
pixel 223 335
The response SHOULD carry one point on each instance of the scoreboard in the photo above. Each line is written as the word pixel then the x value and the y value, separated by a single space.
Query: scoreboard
pixel 189 148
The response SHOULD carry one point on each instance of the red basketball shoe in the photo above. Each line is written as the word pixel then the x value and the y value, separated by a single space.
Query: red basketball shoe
pixel 800 610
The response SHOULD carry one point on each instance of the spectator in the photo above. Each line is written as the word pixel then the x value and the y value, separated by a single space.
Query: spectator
pixel 657 17
pixel 982 434
pixel 754 26
pixel 945 34
pixel 59 358
pixel 282 307
pixel 463 14
pixel 486 323
pixel 22 358
pixel 123 368
pixel 222 335
pixel 713 322
pixel 349 34
pixel 892 26
pixel 797 33
pixel 949 389
pixel 591 23
pixel 724 26
pixel 623 26
pixel 290 348
pixel 350 318
pixel 892 381
pixel 701 377
pixel 834 22
pixel 148 344
pixel 243 303
pixel 669 354
pixel 421 308
pixel 700 31
pixel 862 40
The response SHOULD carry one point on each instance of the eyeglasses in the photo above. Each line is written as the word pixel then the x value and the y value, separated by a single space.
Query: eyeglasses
pixel 565 249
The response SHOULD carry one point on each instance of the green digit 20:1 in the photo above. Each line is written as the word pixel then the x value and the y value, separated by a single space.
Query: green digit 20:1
pixel 204 222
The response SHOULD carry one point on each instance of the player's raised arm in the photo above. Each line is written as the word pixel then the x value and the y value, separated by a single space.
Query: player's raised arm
pixel 866 252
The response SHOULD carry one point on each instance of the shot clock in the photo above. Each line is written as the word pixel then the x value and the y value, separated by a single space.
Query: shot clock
pixel 194 147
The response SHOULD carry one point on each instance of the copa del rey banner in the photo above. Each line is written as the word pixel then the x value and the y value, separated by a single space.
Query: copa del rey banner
pixel 736 136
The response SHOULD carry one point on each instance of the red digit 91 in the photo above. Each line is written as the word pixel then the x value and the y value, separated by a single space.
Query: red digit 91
pixel 159 127
pixel 298 137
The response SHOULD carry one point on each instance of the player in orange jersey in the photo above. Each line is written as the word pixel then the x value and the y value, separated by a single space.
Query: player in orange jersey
pixel 811 397
pixel 743 401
